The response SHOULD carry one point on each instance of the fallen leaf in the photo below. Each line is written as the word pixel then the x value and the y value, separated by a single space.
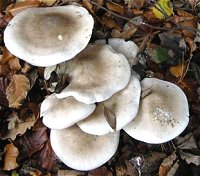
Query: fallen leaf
pixel 19 127
pixel 11 154
pixel 26 68
pixel 190 158
pixel 7 56
pixel 148 164
pixel 178 70
pixel 3 85
pixel 32 141
pixel 12 119
pixel 115 7
pixel 167 164
pixel 158 54
pixel 46 158
pixel 48 2
pixel 17 90
pixel 192 2
pixel 101 171
pixel 121 169
pixel 110 23
pixel 88 6
pixel 70 173
pixel 187 142
pixel 131 170
pixel 162 9
pixel 19 7
pixel 188 21
pixel 189 87
pixel 134 3
pixel 173 169
pixel 137 12
pixel 14 64
pixel 124 34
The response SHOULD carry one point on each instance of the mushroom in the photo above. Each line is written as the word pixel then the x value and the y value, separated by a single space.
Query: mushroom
pixel 48 36
pixel 82 151
pixel 63 113
pixel 116 112
pixel 96 74
pixel 163 112
pixel 128 48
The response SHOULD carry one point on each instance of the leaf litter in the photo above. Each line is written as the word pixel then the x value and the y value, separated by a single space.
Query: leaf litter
pixel 167 33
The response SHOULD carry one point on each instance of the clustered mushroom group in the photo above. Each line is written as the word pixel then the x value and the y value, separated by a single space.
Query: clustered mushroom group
pixel 104 94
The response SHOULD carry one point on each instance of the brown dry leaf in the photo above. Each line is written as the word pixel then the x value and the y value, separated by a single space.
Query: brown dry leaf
pixel 131 170
pixel 17 90
pixel 189 87
pixel 124 34
pixel 70 173
pixel 88 6
pixel 183 13
pixel 110 23
pixel 134 3
pixel 7 56
pixel 167 164
pixel 46 157
pixel 14 64
pixel 26 68
pixel 186 20
pixel 5 69
pixel 101 171
pixel 190 158
pixel 137 12
pixel 11 154
pixel 3 85
pixel 48 2
pixel 192 2
pixel 191 44
pixel 19 127
pixel 178 70
pixel 19 7
pixel 32 141
pixel 121 169
pixel 115 7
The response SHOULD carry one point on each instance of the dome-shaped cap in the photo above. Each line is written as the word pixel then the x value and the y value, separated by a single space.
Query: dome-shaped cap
pixel 116 112
pixel 96 74
pixel 82 151
pixel 48 36
pixel 163 112
pixel 63 113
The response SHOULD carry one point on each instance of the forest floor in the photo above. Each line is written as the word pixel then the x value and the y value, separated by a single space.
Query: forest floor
pixel 168 36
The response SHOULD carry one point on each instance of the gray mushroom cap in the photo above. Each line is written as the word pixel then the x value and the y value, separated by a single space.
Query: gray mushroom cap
pixel 48 36
pixel 116 112
pixel 63 113
pixel 163 112
pixel 82 151
pixel 96 74
pixel 128 48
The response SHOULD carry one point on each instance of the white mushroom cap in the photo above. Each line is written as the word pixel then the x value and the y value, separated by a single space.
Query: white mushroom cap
pixel 116 112
pixel 163 112
pixel 96 74
pixel 99 122
pixel 63 113
pixel 128 48
pixel 82 151
pixel 48 36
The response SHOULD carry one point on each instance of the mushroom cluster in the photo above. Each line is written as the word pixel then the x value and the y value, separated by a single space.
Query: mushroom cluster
pixel 104 95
